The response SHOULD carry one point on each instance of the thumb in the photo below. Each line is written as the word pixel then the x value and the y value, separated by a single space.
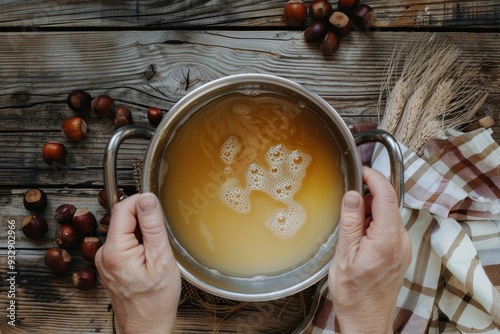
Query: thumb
pixel 151 224
pixel 352 224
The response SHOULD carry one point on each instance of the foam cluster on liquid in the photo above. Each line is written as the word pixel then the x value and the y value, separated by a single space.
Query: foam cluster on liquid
pixel 280 180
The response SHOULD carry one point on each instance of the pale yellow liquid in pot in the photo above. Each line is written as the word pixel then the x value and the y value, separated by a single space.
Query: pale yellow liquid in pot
pixel 253 185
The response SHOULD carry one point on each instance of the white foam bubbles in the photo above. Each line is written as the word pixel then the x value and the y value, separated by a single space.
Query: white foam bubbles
pixel 234 196
pixel 280 181
pixel 286 222
pixel 232 145
pixel 241 109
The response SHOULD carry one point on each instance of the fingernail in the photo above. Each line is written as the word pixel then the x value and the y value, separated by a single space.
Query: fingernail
pixel 351 201
pixel 147 202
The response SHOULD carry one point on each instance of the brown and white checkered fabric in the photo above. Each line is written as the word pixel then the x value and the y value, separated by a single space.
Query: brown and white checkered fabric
pixel 452 212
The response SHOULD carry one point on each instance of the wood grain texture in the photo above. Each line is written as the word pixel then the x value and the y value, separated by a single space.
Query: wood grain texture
pixel 157 68
pixel 152 53
pixel 47 303
pixel 34 15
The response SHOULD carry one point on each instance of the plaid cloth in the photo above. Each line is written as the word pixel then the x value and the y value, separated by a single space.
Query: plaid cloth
pixel 452 212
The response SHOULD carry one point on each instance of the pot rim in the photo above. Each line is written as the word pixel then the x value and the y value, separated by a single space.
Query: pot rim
pixel 177 113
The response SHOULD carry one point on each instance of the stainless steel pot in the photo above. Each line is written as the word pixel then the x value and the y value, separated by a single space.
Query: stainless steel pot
pixel 261 288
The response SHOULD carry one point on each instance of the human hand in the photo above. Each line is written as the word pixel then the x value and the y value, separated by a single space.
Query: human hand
pixel 142 280
pixel 372 256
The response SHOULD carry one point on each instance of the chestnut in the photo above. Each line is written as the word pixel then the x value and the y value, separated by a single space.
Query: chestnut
pixel 74 128
pixel 104 224
pixel 103 106
pixel 79 101
pixel 64 213
pixel 102 198
pixel 155 115
pixel 34 226
pixel 123 116
pixel 54 151
pixel 35 200
pixel 363 16
pixel 330 43
pixel 57 260
pixel 320 9
pixel 315 32
pixel 84 279
pixel 341 23
pixel 347 5
pixel 295 13
pixel 85 221
pixel 67 237
pixel 89 247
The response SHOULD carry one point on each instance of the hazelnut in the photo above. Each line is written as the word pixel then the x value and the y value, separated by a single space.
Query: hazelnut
pixel 295 13
pixel 74 128
pixel 363 16
pixel 320 9
pixel 123 116
pixel 341 23
pixel 347 5
pixel 330 43
pixel 54 151
pixel 64 213
pixel 102 198
pixel 315 32
pixel 57 260
pixel 67 237
pixel 79 101
pixel 34 226
pixel 85 221
pixel 89 247
pixel 103 106
pixel 104 224
pixel 35 200
pixel 155 115
pixel 84 279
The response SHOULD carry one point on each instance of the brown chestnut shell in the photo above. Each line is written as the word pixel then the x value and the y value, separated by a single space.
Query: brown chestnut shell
pixel 34 226
pixel 89 247
pixel 85 221
pixel 54 151
pixel 295 12
pixel 67 237
pixel 35 200
pixel 64 213
pixel 79 101
pixel 315 32
pixel 58 260
pixel 320 9
pixel 84 279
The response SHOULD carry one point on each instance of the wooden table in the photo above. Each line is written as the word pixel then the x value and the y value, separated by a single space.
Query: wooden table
pixel 151 53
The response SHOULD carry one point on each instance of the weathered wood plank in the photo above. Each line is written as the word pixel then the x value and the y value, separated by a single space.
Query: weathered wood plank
pixel 32 15
pixel 13 210
pixel 47 303
pixel 151 68
pixel 140 69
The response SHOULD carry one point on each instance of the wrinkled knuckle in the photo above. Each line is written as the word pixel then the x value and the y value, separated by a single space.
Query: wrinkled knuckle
pixel 152 225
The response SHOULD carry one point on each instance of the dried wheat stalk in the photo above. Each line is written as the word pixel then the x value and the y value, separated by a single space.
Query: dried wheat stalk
pixel 432 91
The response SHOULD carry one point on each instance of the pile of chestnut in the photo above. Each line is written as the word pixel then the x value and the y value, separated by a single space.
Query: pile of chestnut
pixel 74 128
pixel 77 231
pixel 329 25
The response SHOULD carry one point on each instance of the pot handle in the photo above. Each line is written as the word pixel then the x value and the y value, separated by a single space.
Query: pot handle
pixel 395 157
pixel 109 166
